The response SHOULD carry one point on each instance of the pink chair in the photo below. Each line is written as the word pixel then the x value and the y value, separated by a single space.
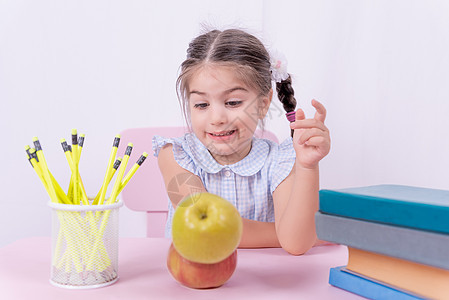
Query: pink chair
pixel 146 191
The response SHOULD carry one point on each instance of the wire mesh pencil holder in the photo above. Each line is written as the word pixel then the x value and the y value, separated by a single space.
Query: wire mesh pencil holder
pixel 84 245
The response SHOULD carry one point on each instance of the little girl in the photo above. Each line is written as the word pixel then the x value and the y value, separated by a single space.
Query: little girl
pixel 225 87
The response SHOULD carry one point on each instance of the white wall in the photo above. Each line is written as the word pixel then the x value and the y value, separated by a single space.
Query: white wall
pixel 380 67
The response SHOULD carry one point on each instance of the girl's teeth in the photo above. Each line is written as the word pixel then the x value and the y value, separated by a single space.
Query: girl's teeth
pixel 223 134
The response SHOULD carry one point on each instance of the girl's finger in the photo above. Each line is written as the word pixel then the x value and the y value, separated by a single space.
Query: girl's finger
pixel 308 123
pixel 309 134
pixel 320 110
pixel 319 142
pixel 300 115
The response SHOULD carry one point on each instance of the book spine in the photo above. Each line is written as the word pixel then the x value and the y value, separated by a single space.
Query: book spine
pixel 415 245
pixel 364 287
pixel 383 210
pixel 415 278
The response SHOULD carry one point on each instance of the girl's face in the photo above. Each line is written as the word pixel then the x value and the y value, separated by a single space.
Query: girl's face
pixel 224 112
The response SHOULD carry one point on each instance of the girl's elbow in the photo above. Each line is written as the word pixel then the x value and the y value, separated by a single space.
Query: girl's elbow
pixel 296 250
pixel 297 247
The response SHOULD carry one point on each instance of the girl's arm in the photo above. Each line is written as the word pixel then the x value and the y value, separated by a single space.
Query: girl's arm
pixel 171 170
pixel 296 198
pixel 295 202
pixel 255 234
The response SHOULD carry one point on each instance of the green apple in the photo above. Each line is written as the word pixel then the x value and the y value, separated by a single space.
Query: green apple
pixel 197 275
pixel 206 228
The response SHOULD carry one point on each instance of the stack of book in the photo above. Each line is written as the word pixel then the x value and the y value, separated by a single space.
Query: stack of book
pixel 397 238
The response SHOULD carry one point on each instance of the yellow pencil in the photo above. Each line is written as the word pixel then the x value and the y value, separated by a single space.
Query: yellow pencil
pixel 73 161
pixel 106 213
pixel 38 171
pixel 75 149
pixel 121 172
pixel 114 169
pixel 104 187
pixel 81 189
pixel 44 168
pixel 75 171
pixel 28 149
pixel 62 197
pixel 81 144
pixel 133 170
pixel 68 155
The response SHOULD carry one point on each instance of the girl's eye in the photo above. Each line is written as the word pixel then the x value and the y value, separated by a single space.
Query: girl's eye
pixel 201 105
pixel 234 103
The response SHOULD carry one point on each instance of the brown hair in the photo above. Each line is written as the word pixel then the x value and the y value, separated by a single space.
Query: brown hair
pixel 237 48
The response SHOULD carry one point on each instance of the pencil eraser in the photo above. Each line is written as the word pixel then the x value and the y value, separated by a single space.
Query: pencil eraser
pixel 116 141
pixel 142 159
pixel 81 140
pixel 117 163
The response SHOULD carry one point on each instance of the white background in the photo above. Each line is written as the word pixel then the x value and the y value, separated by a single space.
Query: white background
pixel 380 67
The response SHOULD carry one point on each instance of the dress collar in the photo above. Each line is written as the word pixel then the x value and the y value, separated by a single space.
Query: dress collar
pixel 248 166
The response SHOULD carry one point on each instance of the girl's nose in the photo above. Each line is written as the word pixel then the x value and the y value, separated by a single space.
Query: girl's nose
pixel 218 115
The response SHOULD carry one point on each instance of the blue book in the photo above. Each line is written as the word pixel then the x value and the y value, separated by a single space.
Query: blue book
pixel 365 287
pixel 425 247
pixel 407 206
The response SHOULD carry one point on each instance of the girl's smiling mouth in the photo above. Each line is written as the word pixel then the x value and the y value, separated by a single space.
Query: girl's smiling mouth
pixel 221 135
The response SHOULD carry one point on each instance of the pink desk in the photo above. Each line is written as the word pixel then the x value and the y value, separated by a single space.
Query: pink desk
pixel 260 274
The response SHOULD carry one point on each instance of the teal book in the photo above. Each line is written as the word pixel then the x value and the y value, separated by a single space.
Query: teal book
pixel 425 247
pixel 400 205
pixel 365 287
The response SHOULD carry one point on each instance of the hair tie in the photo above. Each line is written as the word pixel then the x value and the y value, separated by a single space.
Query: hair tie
pixel 291 116
pixel 278 66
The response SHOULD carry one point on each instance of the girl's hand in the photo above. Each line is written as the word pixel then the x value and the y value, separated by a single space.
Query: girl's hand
pixel 311 138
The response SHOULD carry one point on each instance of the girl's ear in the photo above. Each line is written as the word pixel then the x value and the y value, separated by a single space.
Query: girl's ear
pixel 265 104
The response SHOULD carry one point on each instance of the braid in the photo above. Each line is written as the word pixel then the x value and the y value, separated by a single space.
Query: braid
pixel 286 93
